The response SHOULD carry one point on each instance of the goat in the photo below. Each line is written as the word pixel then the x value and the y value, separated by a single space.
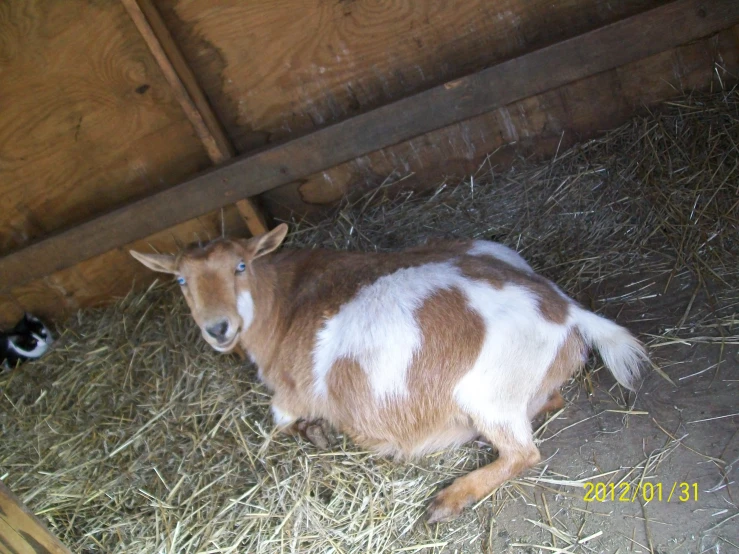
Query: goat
pixel 408 352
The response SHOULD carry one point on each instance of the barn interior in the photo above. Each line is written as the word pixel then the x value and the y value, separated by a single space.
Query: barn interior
pixel 599 139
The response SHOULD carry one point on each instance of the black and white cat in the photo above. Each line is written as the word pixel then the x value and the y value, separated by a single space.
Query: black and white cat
pixel 29 339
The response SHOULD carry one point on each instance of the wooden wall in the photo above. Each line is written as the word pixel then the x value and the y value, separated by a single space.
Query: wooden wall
pixel 270 74
pixel 536 126
pixel 282 67
pixel 88 121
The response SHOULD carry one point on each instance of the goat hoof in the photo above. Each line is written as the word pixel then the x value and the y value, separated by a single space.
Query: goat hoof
pixel 315 433
pixel 448 504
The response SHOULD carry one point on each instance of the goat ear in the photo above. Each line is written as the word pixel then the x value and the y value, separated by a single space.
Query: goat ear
pixel 164 263
pixel 266 243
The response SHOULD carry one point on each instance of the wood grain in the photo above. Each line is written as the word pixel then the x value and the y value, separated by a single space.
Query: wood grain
pixel 21 532
pixel 180 78
pixel 87 121
pixel 601 50
pixel 536 127
pixel 271 74
pixel 190 96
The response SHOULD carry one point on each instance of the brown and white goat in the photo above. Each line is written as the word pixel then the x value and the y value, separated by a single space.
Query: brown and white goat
pixel 407 352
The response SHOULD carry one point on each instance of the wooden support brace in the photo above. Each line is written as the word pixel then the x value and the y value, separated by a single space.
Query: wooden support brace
pixel 21 532
pixel 608 47
pixel 190 96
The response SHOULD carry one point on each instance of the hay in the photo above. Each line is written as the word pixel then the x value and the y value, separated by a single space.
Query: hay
pixel 132 436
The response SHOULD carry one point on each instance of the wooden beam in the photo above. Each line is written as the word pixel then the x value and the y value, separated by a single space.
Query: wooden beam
pixel 21 532
pixel 190 96
pixel 600 50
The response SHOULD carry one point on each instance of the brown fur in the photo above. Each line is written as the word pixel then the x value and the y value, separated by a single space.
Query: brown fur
pixel 476 485
pixel 407 426
pixel 552 306
pixel 555 402
pixel 429 417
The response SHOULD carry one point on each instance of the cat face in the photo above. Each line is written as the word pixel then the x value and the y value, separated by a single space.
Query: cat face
pixel 30 338
pixel 31 325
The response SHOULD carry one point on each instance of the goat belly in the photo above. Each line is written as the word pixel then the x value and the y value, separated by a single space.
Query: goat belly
pixel 412 359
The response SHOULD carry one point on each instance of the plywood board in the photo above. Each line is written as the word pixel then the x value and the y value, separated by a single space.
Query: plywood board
pixel 534 126
pixel 10 311
pixel 276 68
pixel 189 95
pixel 537 123
pixel 87 121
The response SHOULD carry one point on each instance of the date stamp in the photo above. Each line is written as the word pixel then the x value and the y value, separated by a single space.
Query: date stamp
pixel 646 492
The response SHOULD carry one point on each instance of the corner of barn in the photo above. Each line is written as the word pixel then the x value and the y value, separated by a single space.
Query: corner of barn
pixel 597 139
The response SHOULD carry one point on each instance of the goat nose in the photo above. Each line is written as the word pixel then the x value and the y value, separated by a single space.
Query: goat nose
pixel 218 330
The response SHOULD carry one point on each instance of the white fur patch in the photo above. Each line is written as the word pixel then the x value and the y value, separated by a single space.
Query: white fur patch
pixel 282 419
pixel 245 307
pixel 449 437
pixel 38 351
pixel 499 252
pixel 378 328
pixel 518 348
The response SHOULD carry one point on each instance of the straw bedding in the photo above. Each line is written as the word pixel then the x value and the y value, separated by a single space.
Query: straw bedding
pixel 133 436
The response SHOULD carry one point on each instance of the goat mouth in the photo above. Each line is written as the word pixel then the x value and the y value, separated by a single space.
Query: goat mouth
pixel 226 346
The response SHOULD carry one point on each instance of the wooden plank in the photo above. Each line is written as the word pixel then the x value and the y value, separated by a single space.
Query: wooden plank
pixel 180 77
pixel 189 94
pixel 270 75
pixel 82 135
pixel 551 67
pixel 21 532
pixel 252 216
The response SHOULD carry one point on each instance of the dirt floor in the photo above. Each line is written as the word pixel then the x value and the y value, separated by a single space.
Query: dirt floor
pixel 133 436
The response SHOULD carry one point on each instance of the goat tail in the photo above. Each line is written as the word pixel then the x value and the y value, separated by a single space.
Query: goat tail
pixel 622 353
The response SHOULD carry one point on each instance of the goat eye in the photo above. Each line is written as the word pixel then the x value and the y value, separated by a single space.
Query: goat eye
pixel 241 267
pixel 181 281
